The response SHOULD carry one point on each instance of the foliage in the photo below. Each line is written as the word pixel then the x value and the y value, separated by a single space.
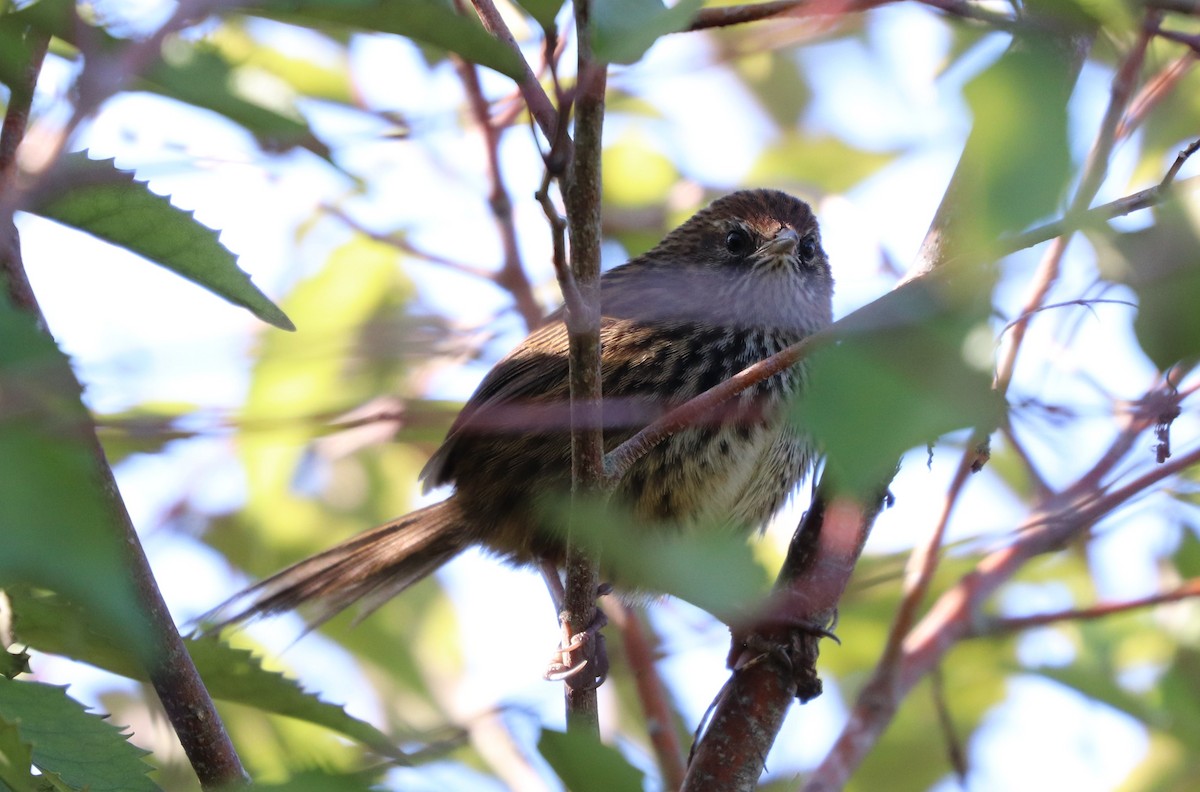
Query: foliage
pixel 407 240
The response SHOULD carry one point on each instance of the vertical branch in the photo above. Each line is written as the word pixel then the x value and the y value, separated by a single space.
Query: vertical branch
pixel 582 199
pixel 186 701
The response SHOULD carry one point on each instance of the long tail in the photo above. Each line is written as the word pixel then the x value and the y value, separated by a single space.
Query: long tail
pixel 370 568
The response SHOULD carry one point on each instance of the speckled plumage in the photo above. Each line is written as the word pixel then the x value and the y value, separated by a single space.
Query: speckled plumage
pixel 739 281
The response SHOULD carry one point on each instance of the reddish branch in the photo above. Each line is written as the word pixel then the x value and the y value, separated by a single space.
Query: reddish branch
pixel 540 106
pixel 998 626
pixel 728 16
pixel 660 719
pixel 511 275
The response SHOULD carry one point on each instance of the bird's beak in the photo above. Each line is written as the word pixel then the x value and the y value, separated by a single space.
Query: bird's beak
pixel 782 247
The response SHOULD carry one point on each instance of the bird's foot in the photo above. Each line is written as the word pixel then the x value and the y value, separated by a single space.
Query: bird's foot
pixel 581 660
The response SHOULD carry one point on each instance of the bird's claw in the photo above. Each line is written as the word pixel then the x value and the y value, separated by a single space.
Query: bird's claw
pixel 580 652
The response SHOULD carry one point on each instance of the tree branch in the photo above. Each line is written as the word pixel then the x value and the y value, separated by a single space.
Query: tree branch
pixel 540 106
pixel 582 199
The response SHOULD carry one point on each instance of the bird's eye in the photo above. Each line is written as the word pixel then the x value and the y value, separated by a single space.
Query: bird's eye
pixel 807 248
pixel 738 242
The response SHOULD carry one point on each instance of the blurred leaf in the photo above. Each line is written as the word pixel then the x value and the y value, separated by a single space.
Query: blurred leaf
pixel 624 29
pixel 1017 152
pixel 712 569
pixel 585 765
pixel 145 429
pixel 429 21
pixel 58 527
pixel 16 760
pixel 96 197
pixel 307 76
pixel 1161 265
pixel 319 781
pixel 636 174
pixel 778 83
pixel 544 11
pixel 189 72
pixel 14 50
pixel 52 624
pixel 826 163
pixel 85 750
pixel 901 375
pixel 197 74
pixel 1187 556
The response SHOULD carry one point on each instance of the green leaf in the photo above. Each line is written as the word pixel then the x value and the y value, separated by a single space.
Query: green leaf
pixel 544 11
pixel 712 569
pixel 826 163
pixel 1161 265
pixel 237 675
pixel 16 760
pixel 52 624
pixel 14 51
pixel 85 750
pixel 585 765
pixel 13 663
pixel 318 781
pixel 96 197
pixel 904 372
pixel 198 75
pixel 624 29
pixel 57 524
pixel 430 21
pixel 1017 150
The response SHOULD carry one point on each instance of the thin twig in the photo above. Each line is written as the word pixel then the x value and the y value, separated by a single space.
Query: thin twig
pixel 536 99
pixel 1011 624
pixel 400 243
pixel 954 746
pixel 660 719
pixel 1153 92
pixel 511 275
pixel 728 16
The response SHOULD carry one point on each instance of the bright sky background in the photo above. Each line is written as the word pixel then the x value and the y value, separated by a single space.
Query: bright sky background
pixel 139 333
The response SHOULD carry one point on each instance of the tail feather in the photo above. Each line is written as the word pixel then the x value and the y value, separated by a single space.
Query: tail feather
pixel 371 567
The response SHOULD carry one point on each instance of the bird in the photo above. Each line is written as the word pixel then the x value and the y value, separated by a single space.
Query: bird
pixel 742 279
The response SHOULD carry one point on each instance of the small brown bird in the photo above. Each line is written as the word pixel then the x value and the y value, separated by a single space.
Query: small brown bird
pixel 739 281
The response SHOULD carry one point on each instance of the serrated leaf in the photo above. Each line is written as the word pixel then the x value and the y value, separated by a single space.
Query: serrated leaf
pixel 429 21
pixel 96 197
pixel 622 30
pixel 13 664
pixel 237 675
pixel 52 624
pixel 585 765
pixel 84 749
